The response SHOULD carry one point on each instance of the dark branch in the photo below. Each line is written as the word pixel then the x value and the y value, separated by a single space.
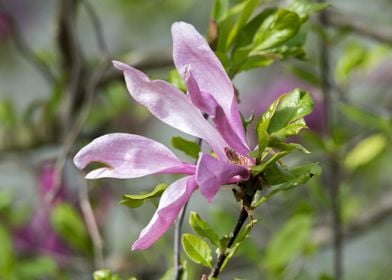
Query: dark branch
pixel 24 49
pixel 332 168
pixel 373 216
pixel 362 27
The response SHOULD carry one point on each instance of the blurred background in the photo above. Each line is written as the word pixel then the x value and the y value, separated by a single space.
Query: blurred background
pixel 58 91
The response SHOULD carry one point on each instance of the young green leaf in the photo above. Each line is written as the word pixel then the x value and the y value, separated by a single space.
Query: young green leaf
pixel 292 106
pixel 106 275
pixel 37 268
pixel 289 242
pixel 6 253
pixel 241 237
pixel 275 30
pixel 137 200
pixel 197 249
pixel 190 148
pixel 231 24
pixel 70 226
pixel 176 80
pixel 365 151
pixel 219 9
pixel 306 7
pixel 203 229
pixel 283 180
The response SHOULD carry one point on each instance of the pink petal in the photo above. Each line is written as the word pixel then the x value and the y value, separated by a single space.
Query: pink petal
pixel 129 156
pixel 192 53
pixel 212 173
pixel 229 135
pixel 171 106
pixel 170 204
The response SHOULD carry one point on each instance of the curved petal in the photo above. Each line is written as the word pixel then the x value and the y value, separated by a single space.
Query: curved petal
pixel 170 204
pixel 129 156
pixel 226 130
pixel 171 106
pixel 212 173
pixel 191 52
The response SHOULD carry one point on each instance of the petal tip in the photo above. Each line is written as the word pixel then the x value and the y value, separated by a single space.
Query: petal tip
pixel 120 65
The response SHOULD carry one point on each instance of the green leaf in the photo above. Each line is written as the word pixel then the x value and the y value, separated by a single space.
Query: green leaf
pixel 41 267
pixel 190 148
pixel 176 80
pixel 203 229
pixel 353 57
pixel 231 24
pixel 219 10
pixel 288 243
pixel 137 200
pixel 284 180
pixel 105 274
pixel 197 249
pixel 291 107
pixel 365 151
pixel 275 30
pixel 257 169
pixel 70 226
pixel 241 237
pixel 6 253
pixel 366 118
pixel 305 7
pixel 8 117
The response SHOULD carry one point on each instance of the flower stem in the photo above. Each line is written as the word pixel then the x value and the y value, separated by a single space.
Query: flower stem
pixel 244 214
pixel 178 269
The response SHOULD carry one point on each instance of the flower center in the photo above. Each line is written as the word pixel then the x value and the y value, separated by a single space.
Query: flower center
pixel 236 158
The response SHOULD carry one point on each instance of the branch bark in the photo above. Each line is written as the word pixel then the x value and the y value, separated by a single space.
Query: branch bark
pixel 362 27
pixel 365 221
pixel 332 168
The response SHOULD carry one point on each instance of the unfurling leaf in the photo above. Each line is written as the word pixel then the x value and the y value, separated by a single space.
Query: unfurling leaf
pixel 197 249
pixel 137 200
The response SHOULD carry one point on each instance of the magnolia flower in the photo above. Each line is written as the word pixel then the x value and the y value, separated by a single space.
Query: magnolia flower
pixel 210 91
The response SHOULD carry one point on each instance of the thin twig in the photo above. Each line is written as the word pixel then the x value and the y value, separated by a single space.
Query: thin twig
pixel 367 29
pixel 244 214
pixel 332 169
pixel 382 210
pixel 97 28
pixel 90 89
pixel 91 224
pixel 178 269
pixel 24 48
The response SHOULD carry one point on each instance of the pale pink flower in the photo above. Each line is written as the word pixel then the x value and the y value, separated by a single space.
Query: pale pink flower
pixel 210 91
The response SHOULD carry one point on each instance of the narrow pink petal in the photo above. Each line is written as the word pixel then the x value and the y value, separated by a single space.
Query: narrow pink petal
pixel 171 106
pixel 191 52
pixel 170 204
pixel 129 156
pixel 202 100
pixel 226 130
pixel 212 173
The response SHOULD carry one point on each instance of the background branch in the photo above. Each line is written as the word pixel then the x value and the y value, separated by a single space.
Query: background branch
pixel 332 169
pixel 362 27
pixel 24 49
pixel 365 221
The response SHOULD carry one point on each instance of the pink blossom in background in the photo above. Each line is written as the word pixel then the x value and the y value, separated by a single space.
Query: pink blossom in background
pixel 210 91
pixel 38 236
pixel 4 28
